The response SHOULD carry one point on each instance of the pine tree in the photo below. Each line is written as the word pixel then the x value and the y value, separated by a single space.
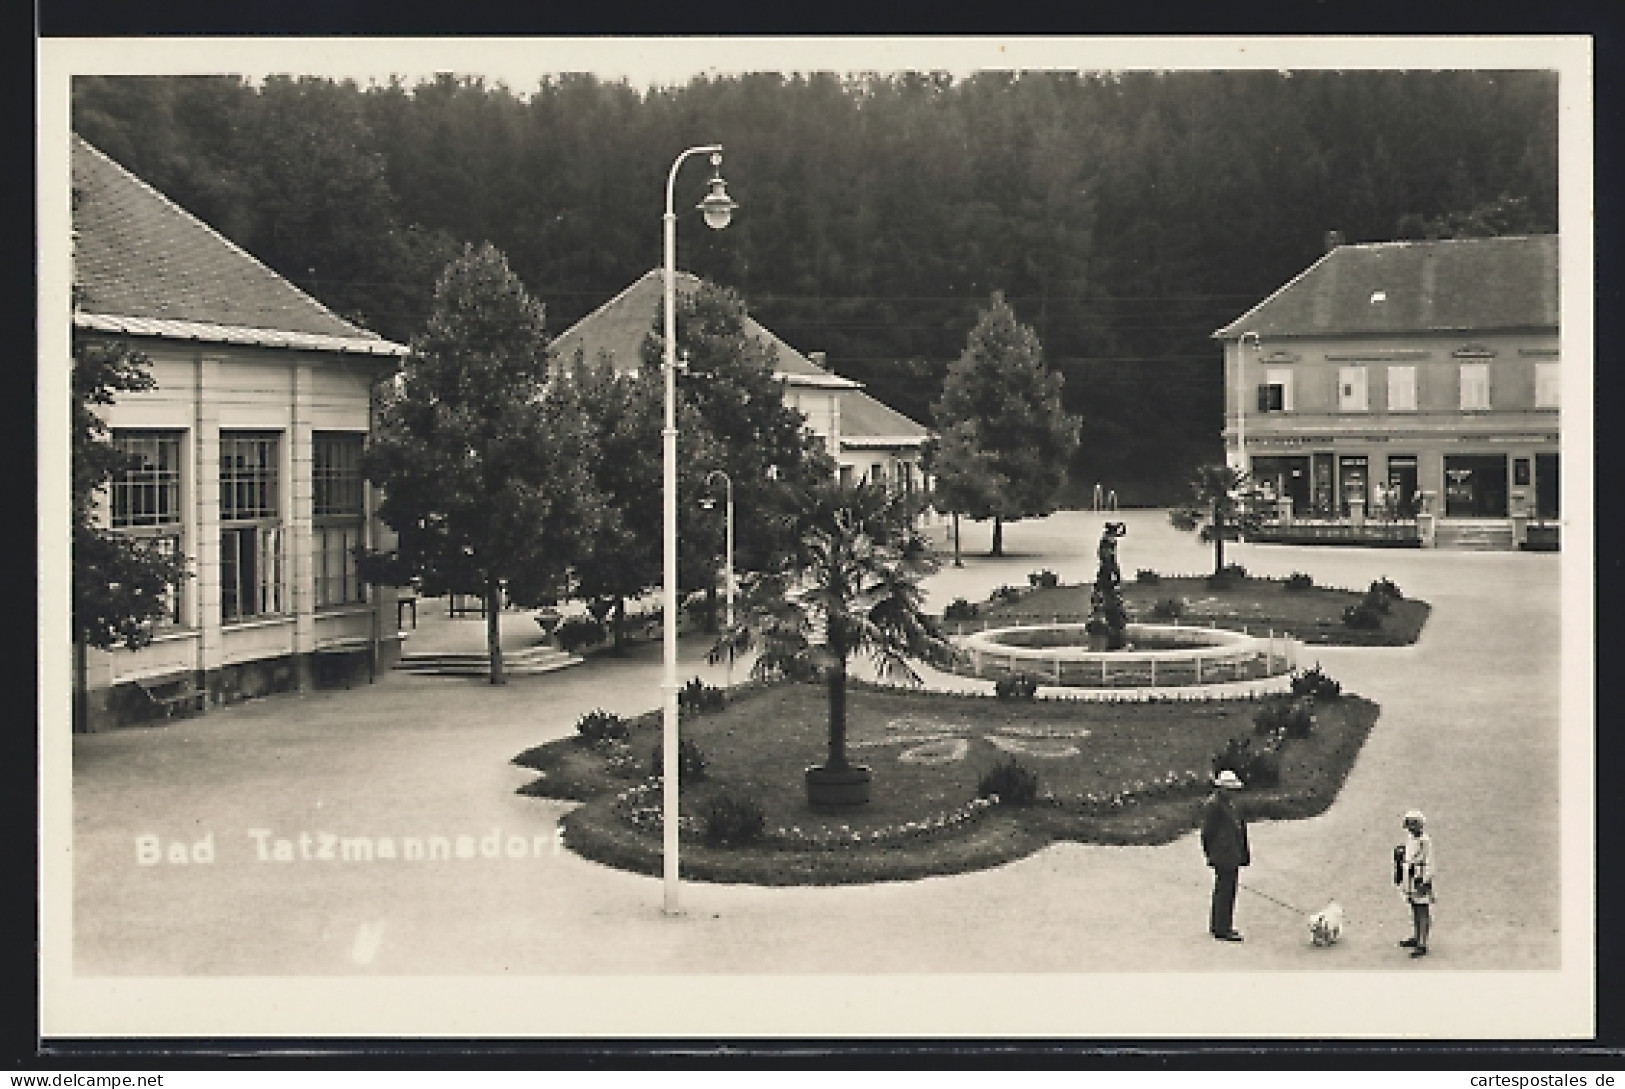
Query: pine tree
pixel 1000 412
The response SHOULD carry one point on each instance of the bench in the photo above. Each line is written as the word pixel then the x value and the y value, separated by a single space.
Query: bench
pixel 169 692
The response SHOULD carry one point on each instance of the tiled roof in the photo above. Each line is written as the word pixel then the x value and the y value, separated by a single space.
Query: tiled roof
pixel 1454 285
pixel 868 422
pixel 618 328
pixel 145 265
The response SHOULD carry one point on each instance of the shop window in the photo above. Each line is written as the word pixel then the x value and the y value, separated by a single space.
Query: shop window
pixel 1475 387
pixel 1401 389
pixel 145 498
pixel 1475 486
pixel 251 554
pixel 339 509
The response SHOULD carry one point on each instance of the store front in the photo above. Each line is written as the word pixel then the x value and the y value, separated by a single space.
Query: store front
pixel 1287 477
pixel 1475 486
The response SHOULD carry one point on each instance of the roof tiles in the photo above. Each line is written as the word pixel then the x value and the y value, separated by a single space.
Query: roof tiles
pixel 1453 285
pixel 139 255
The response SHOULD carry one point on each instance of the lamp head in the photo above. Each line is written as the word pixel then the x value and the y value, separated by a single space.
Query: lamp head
pixel 717 206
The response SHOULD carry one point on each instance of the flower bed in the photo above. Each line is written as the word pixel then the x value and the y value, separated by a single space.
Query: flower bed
pixel 1121 772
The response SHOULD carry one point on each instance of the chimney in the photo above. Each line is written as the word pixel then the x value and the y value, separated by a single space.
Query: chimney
pixel 1334 239
pixel 817 360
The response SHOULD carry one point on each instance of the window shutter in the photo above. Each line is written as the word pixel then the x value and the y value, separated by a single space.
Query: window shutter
pixel 1264 398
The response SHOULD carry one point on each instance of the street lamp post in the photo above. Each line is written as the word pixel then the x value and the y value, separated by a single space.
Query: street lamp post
pixel 1241 397
pixel 718 210
pixel 728 559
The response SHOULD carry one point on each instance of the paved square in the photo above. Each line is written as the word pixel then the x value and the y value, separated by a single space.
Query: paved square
pixel 1469 734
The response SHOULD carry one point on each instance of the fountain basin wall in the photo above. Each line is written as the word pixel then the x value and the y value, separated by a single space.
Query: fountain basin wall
pixel 1159 655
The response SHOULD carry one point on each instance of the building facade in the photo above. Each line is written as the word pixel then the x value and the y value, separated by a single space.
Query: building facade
pixel 248 457
pixel 868 440
pixel 1405 390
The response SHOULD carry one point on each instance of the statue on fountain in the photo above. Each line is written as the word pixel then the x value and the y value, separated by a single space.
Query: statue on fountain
pixel 1107 618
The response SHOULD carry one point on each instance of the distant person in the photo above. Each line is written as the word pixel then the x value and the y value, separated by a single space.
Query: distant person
pixel 1413 872
pixel 1224 842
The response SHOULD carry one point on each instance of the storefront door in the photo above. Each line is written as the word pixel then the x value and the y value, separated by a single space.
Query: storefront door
pixel 1402 485
pixel 1546 486
pixel 1475 486
pixel 1353 472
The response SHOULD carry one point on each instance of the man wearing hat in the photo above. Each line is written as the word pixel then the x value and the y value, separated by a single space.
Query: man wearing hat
pixel 1224 841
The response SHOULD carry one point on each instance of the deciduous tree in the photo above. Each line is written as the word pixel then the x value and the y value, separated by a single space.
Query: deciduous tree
pixel 484 466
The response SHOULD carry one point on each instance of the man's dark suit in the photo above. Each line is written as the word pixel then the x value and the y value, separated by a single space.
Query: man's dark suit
pixel 1224 841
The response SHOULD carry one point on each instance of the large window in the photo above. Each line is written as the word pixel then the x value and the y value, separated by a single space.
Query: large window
pixel 339 511
pixel 1351 389
pixel 1275 395
pixel 1401 389
pixel 146 497
pixel 1475 386
pixel 251 576
pixel 1548 385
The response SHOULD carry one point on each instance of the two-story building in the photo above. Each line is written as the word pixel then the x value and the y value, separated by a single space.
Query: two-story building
pixel 248 454
pixel 869 440
pixel 1404 391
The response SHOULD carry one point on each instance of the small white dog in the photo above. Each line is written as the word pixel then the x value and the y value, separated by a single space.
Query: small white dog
pixel 1326 925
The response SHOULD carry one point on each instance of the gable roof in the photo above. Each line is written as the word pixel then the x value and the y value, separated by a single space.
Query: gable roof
pixel 1450 285
pixel 866 422
pixel 146 266
pixel 618 329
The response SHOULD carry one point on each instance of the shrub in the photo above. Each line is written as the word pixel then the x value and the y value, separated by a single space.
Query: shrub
pixel 578 632
pixel 727 820
pixel 1387 589
pixel 1005 595
pixel 1292 717
pixel 1299 581
pixel 1147 577
pixel 1263 769
pixel 700 698
pixel 1013 783
pixel 1316 684
pixel 690 761
pixel 1220 581
pixel 1044 580
pixel 1017 686
pixel 1169 608
pixel 960 609
pixel 598 725
pixel 1256 767
pixel 1364 616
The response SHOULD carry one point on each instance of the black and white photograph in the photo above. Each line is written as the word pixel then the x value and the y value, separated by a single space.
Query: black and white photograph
pixel 816 537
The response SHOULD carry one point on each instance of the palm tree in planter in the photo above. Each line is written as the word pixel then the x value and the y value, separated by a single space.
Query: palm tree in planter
pixel 853 591
pixel 1223 507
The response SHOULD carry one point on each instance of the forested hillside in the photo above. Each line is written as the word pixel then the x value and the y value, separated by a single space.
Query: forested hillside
pixel 1124 217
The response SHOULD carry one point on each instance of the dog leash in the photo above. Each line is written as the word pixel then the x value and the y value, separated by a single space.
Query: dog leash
pixel 1272 899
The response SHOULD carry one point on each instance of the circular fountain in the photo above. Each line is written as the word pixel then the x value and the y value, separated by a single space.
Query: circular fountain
pixel 1107 651
pixel 1155 656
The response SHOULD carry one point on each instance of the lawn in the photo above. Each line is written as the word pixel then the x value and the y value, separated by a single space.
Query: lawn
pixel 1108 773
pixel 1256 605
